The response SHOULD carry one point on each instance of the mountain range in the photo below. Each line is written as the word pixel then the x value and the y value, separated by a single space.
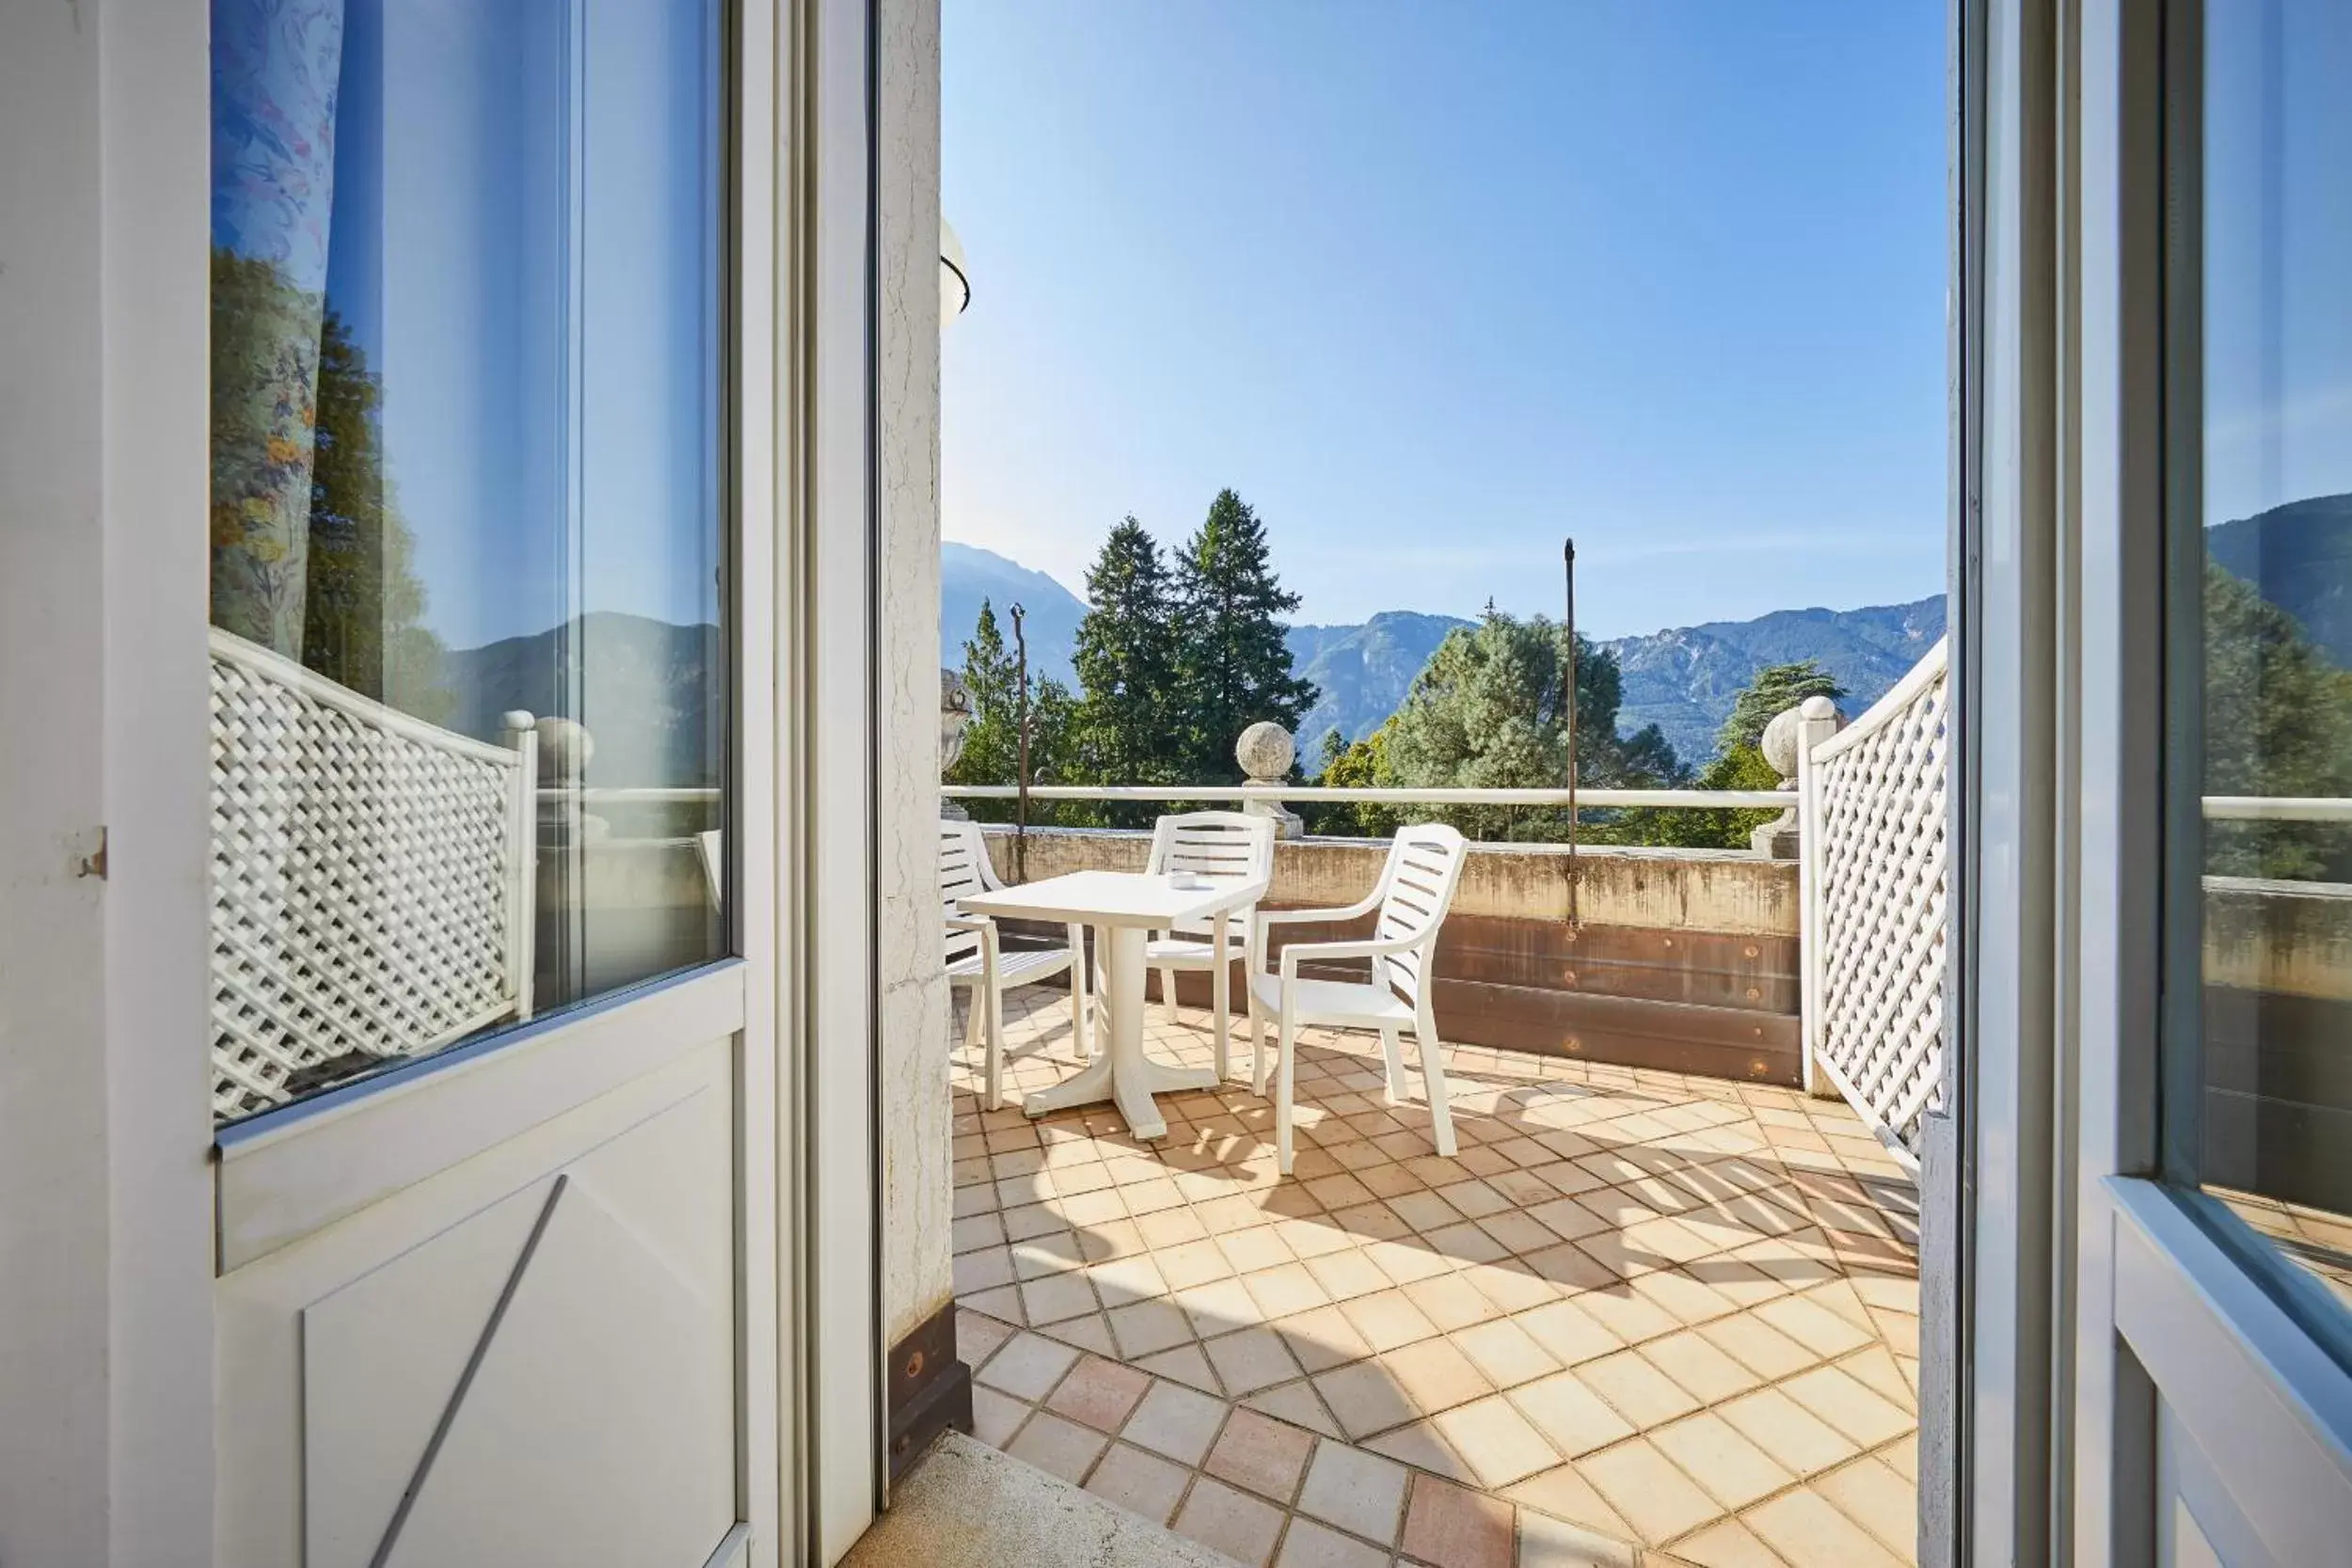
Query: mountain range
pixel 1682 679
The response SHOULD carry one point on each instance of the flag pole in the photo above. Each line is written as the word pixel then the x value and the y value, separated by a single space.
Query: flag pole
pixel 1567 561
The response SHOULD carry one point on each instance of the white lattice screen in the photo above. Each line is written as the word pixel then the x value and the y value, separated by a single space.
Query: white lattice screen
pixel 372 878
pixel 1875 858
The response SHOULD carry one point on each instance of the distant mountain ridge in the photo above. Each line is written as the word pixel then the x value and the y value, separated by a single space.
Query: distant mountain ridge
pixel 1050 613
pixel 1684 679
pixel 1362 672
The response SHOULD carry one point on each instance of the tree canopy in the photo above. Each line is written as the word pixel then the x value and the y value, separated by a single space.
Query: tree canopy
pixel 1775 689
pixel 1232 663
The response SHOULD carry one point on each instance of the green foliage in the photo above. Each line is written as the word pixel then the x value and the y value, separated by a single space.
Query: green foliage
pixel 1487 712
pixel 1775 689
pixel 1232 663
pixel 1361 765
pixel 1129 725
pixel 1742 767
pixel 310 556
pixel 2278 721
pixel 992 741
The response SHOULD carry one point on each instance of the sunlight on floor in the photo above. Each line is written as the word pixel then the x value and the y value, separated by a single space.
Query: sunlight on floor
pixel 1640 1313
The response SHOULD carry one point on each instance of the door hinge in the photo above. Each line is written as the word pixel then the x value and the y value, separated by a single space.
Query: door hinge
pixel 94 864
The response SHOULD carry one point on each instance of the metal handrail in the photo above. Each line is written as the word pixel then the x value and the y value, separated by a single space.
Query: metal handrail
pixel 1672 799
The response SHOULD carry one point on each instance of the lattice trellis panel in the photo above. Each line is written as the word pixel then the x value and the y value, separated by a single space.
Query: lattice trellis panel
pixel 1875 815
pixel 370 879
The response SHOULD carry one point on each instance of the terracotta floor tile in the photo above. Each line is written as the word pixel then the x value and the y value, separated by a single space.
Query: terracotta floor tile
pixel 1387 1320
pixel 1262 1454
pixel 1189 1264
pixel 1121 1281
pixel 1568 1333
pixel 1408 1262
pixel 1307 1544
pixel 996 1417
pixel 1464 1242
pixel 1787 1430
pixel 1140 1483
pixel 1257 1248
pixel 1562 1493
pixel 1451 1302
pixel 1758 1345
pixel 1497 1441
pixel 1812 1325
pixel 1512 1284
pixel 1280 1292
pixel 1505 1352
pixel 1323 1338
pixel 1729 1467
pixel 1878 1498
pixel 1804 1527
pixel 1548 1543
pixel 1456 1528
pixel 1644 1486
pixel 1028 1367
pixel 1425 1210
pixel 1187 1364
pixel 1176 1422
pixel 1435 1375
pixel 1219 1307
pixel 1365 1397
pixel 1726 1544
pixel 1060 1448
pixel 1359 1492
pixel 1635 1389
pixel 1849 1406
pixel 1698 1365
pixel 1631 1318
pixel 977 1337
pixel 1223 1519
pixel 1252 1359
pixel 1098 1393
pixel 1297 1404
pixel 1148 1326
pixel 1576 1420
pixel 1346 1274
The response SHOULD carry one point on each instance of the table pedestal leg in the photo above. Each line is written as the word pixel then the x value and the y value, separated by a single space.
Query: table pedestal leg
pixel 1123 1073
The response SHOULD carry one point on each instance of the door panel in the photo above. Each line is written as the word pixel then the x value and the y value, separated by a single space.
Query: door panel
pixel 535 1347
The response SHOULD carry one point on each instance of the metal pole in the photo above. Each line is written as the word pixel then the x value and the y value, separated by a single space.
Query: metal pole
pixel 1021 712
pixel 1567 559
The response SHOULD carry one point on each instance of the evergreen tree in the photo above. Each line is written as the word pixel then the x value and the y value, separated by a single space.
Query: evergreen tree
pixel 2278 721
pixel 1233 657
pixel 1775 689
pixel 1361 765
pixel 992 741
pixel 1125 724
pixel 1487 712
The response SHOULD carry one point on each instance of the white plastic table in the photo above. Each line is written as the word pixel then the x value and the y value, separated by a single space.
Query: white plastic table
pixel 1123 907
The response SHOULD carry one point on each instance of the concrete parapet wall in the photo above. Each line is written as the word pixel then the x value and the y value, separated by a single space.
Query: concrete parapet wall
pixel 1726 891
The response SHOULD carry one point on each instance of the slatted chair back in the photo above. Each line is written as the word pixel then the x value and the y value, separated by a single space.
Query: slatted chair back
pixel 1415 886
pixel 1219 844
pixel 964 873
pixel 373 878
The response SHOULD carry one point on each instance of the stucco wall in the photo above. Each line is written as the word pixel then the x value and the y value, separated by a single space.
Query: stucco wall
pixel 914 1023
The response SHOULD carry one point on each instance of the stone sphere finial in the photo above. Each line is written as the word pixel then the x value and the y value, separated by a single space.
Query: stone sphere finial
pixel 1266 752
pixel 566 749
pixel 955 713
pixel 1779 742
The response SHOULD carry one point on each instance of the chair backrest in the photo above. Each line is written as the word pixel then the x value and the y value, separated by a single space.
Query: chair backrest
pixel 1221 844
pixel 963 870
pixel 1416 888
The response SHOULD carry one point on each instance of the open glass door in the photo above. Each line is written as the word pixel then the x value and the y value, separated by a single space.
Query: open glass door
pixel 2214 1400
pixel 493 1091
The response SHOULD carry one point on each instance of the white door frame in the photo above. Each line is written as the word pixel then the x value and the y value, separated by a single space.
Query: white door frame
pixel 107 1236
pixel 2092 1290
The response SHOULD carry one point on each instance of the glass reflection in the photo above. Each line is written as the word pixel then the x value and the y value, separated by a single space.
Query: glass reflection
pixel 469 658
pixel 2272 1114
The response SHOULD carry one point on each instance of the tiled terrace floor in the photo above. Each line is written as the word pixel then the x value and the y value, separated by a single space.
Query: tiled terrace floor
pixel 1640 1318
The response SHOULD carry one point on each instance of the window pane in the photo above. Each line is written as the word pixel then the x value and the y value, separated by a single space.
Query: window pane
pixel 2264 1122
pixel 470 676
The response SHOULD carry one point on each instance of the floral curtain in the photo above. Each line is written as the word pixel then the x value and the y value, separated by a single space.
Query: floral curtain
pixel 276 69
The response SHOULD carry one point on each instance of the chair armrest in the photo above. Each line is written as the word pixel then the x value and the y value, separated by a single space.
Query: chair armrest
pixel 1330 950
pixel 1300 917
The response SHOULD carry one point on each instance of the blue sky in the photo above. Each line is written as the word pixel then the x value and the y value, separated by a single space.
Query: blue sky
pixel 1433 284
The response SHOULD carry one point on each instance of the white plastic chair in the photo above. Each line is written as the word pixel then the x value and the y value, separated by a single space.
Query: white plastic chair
pixel 1220 844
pixel 1415 886
pixel 976 960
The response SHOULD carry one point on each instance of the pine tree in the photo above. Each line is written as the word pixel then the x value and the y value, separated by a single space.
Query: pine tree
pixel 1775 689
pixel 1487 711
pixel 1124 730
pixel 1233 654
pixel 992 741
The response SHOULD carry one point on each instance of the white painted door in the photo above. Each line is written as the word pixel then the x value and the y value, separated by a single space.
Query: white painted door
pixel 2211 1352
pixel 493 1046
